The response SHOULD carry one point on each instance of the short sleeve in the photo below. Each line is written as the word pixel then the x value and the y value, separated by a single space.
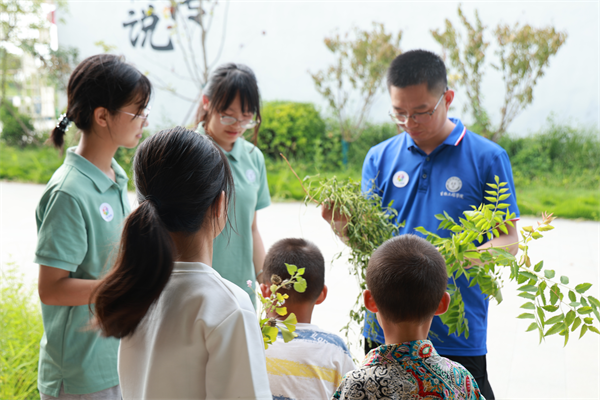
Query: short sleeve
pixel 264 197
pixel 369 173
pixel 62 234
pixel 501 168
pixel 236 366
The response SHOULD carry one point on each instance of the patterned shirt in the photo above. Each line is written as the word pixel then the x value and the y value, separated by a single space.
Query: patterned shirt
pixel 411 370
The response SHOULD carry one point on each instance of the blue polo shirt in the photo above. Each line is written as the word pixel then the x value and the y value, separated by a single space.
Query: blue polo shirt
pixel 452 178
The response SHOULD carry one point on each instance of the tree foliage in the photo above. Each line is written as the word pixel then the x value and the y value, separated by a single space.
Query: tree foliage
pixel 362 59
pixel 523 54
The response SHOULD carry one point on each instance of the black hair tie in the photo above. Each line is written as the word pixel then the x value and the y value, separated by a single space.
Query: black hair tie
pixel 63 123
pixel 153 200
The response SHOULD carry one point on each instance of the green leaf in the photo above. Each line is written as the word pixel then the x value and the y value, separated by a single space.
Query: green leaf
pixel 594 301
pixel 538 267
pixel 528 288
pixel 555 319
pixel 528 306
pixel 549 274
pixel 270 332
pixel 576 323
pixel 583 287
pixel 287 335
pixel 550 308
pixel 526 316
pixel 570 317
pixel 300 286
pixel 564 280
pixel 526 295
pixel 532 327
pixel 555 329
pixel 593 329
pixel 572 296
pixel 588 320
pixel 584 329
pixel 281 311
pixel 291 268
pixel 290 322
pixel 504 197
pixel 301 271
pixel 584 310
pixel 492 185
pixel 529 275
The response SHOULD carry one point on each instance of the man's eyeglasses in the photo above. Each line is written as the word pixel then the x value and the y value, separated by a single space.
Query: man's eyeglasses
pixel 419 118
pixel 245 124
pixel 144 115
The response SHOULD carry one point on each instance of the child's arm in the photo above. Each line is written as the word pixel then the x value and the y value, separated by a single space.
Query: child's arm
pixel 236 365
pixel 56 288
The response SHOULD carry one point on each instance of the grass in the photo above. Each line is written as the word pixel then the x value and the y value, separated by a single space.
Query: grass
pixel 20 332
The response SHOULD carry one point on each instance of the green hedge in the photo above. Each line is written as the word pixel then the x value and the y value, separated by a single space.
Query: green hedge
pixel 21 330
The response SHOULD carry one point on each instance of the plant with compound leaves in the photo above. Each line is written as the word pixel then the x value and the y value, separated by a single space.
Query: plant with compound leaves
pixel 270 326
pixel 369 225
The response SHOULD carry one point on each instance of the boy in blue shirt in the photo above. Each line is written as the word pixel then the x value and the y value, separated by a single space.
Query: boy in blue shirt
pixel 436 165
pixel 406 280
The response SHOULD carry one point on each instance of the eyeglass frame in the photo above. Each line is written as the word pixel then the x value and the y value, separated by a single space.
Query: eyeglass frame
pixel 394 115
pixel 147 110
pixel 253 121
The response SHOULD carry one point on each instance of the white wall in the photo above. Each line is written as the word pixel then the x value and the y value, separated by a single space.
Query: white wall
pixel 283 40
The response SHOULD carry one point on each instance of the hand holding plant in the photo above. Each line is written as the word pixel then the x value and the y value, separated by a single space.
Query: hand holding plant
pixel 271 326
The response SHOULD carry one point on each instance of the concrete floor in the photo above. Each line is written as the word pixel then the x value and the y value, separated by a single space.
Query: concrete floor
pixel 518 367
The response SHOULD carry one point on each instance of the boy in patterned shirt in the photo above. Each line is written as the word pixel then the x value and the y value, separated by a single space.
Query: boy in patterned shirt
pixel 407 279
pixel 312 365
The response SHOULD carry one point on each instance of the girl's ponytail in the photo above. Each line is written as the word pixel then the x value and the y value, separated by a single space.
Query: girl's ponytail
pixel 141 272
pixel 57 137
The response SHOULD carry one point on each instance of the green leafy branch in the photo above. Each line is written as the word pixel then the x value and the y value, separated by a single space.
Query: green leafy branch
pixel 551 312
pixel 274 305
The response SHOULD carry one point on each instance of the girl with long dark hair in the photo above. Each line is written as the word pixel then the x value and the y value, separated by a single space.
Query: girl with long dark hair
pixel 79 219
pixel 186 333
pixel 231 105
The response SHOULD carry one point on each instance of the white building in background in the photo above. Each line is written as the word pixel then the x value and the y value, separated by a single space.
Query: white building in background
pixel 282 41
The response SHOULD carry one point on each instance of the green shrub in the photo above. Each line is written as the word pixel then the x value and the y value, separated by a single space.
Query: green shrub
pixel 558 155
pixel 30 164
pixel 13 133
pixel 372 135
pixel 296 130
pixel 21 330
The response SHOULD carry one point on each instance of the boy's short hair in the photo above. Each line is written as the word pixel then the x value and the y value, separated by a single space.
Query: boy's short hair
pixel 303 254
pixel 407 278
pixel 418 66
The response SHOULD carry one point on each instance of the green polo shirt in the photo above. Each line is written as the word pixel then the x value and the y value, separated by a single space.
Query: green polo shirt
pixel 79 221
pixel 232 251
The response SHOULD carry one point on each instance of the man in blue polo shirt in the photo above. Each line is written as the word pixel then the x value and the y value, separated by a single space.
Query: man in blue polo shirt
pixel 436 165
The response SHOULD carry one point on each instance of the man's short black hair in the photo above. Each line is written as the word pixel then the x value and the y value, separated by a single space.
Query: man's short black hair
pixel 418 66
pixel 303 254
pixel 407 278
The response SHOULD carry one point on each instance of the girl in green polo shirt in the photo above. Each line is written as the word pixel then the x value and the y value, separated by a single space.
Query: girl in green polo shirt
pixel 230 105
pixel 79 220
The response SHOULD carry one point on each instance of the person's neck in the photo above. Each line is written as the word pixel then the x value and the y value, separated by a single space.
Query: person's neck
pixel 430 145
pixel 303 312
pixel 197 247
pixel 407 331
pixel 98 151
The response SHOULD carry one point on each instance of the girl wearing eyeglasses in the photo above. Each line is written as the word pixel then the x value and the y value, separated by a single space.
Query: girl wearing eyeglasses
pixel 231 105
pixel 79 220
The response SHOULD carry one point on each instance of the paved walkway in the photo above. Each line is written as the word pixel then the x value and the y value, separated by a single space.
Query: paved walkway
pixel 519 367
